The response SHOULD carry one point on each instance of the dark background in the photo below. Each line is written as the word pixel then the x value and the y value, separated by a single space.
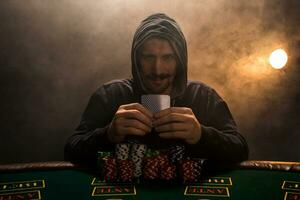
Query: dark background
pixel 54 54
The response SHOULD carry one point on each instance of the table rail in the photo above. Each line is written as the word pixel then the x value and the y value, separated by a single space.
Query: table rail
pixel 249 164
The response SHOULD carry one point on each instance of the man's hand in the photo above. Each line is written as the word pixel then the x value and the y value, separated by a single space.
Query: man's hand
pixel 178 122
pixel 130 119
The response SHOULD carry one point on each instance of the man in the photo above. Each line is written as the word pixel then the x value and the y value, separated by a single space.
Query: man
pixel 198 118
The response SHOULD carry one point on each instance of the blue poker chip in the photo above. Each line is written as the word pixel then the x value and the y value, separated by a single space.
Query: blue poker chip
pixel 176 153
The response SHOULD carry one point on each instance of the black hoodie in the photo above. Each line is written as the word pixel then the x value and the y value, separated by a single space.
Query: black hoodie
pixel 160 25
pixel 220 139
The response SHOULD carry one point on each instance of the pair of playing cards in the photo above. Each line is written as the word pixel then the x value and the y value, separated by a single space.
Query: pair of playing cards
pixel 156 103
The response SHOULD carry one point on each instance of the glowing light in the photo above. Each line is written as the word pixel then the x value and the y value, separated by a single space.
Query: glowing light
pixel 278 58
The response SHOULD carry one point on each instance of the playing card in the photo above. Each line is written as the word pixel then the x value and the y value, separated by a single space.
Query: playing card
pixel 155 102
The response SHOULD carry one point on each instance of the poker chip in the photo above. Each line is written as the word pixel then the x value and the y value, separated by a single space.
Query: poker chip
pixel 126 170
pixel 157 166
pixel 166 169
pixel 101 155
pixel 137 155
pixel 122 151
pixel 151 168
pixel 162 160
pixel 190 170
pixel 176 153
pixel 168 172
pixel 109 170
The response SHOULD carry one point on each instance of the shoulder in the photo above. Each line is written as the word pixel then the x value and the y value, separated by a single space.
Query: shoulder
pixel 118 85
pixel 116 92
pixel 200 89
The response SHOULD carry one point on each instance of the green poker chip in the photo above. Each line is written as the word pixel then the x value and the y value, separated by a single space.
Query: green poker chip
pixel 101 156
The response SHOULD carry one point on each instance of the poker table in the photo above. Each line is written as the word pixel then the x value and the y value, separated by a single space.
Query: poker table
pixel 64 180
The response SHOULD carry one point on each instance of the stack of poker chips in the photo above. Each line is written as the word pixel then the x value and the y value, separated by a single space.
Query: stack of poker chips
pixel 126 171
pixel 133 161
pixel 151 165
pixel 190 170
pixel 158 166
pixel 125 165
pixel 109 166
pixel 176 153
pixel 137 154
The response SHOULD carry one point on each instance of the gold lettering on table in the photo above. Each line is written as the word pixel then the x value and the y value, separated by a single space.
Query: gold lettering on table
pixel 216 181
pixel 24 195
pixel 292 196
pixel 291 185
pixel 21 185
pixel 206 191
pixel 118 190
pixel 114 190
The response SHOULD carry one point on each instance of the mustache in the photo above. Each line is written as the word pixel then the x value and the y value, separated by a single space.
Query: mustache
pixel 158 76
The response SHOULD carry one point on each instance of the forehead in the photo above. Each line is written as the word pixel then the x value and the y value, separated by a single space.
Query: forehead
pixel 157 45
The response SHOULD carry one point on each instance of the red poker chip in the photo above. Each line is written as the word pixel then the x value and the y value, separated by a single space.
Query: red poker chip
pixel 168 172
pixel 151 170
pixel 190 170
pixel 126 170
pixel 109 171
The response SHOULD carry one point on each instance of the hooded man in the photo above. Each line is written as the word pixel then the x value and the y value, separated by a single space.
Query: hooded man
pixel 198 117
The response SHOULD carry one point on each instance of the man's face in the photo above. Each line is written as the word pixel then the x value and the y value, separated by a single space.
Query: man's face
pixel 158 66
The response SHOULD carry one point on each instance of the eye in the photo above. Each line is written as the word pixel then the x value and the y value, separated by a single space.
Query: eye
pixel 169 57
pixel 148 57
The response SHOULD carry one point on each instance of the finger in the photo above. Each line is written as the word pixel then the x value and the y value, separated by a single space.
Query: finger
pixel 173 135
pixel 133 131
pixel 136 124
pixel 135 114
pixel 170 127
pixel 182 110
pixel 138 107
pixel 172 117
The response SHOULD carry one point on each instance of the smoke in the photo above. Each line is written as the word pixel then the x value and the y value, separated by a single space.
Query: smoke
pixel 58 52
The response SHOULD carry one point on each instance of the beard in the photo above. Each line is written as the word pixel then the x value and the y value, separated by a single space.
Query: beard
pixel 158 84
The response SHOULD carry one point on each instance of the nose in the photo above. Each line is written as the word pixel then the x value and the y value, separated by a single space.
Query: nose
pixel 157 66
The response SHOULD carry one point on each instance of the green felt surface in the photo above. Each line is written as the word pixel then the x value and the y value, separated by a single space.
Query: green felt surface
pixel 72 184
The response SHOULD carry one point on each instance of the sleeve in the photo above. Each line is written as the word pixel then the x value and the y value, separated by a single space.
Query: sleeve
pixel 91 134
pixel 220 140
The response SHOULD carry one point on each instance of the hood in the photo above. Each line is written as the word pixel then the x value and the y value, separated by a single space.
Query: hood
pixel 160 25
